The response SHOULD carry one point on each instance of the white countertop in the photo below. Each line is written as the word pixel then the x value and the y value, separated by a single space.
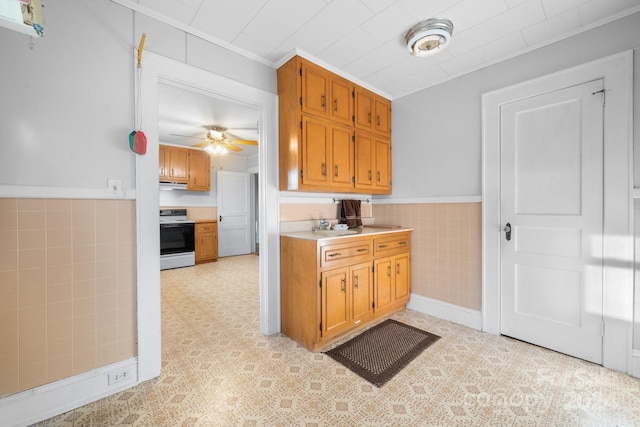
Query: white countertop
pixel 351 232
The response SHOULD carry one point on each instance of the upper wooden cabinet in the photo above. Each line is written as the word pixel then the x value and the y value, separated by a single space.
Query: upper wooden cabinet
pixel 325 94
pixel 199 171
pixel 174 163
pixel 317 121
pixel 185 165
pixel 372 112
pixel 372 163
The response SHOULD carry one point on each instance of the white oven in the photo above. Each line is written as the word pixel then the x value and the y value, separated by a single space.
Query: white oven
pixel 177 239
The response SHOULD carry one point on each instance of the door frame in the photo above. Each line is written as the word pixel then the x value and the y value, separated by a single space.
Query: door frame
pixel 617 72
pixel 159 69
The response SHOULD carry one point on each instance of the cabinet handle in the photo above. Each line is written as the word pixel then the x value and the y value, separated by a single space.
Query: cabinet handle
pixel 382 246
pixel 362 249
pixel 398 269
pixel 336 171
pixel 344 284
pixel 369 175
pixel 389 271
pixel 335 104
pixel 369 117
pixel 378 176
pixel 377 120
pixel 323 101
pixel 356 281
pixel 335 254
pixel 324 169
pixel 403 243
pixel 171 171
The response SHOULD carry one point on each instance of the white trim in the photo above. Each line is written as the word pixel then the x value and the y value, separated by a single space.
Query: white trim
pixel 635 363
pixel 617 72
pixel 635 193
pixel 37 192
pixel 426 200
pixel 40 403
pixel 156 70
pixel 295 197
pixel 444 310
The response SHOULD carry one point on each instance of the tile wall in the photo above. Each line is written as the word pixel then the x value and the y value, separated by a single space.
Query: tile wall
pixel 446 246
pixel 67 288
pixel 446 249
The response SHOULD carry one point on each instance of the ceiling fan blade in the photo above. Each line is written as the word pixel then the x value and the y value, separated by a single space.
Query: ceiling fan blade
pixel 243 141
pixel 201 144
pixel 232 147
pixel 186 136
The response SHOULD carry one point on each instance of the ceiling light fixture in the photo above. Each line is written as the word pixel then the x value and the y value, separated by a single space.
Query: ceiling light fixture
pixel 429 37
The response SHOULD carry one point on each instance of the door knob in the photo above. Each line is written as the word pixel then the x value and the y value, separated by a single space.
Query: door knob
pixel 507 231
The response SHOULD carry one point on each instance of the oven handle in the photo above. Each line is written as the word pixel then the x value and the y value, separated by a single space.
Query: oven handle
pixel 170 225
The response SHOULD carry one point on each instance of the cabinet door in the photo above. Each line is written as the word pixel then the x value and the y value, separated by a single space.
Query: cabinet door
pixel 315 152
pixel 402 278
pixel 382 164
pixel 383 283
pixel 364 156
pixel 335 302
pixel 363 109
pixel 178 164
pixel 163 169
pixel 341 108
pixel 342 157
pixel 315 84
pixel 362 293
pixel 382 122
pixel 199 171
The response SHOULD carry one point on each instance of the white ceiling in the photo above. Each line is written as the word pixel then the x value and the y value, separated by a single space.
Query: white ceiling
pixel 364 39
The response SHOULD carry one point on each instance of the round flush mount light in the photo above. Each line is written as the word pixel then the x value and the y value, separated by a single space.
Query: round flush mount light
pixel 429 37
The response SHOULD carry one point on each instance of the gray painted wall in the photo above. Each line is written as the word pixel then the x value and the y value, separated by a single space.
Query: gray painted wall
pixel 437 134
pixel 67 104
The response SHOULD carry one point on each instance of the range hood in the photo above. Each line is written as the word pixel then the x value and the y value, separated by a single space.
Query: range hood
pixel 172 186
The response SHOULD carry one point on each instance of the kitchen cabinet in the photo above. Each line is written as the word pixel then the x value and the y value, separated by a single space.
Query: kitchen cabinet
pixel 185 166
pixel 327 155
pixel 206 241
pixel 174 163
pixel 325 94
pixel 372 112
pixel 372 163
pixel 199 171
pixel 329 286
pixel 317 131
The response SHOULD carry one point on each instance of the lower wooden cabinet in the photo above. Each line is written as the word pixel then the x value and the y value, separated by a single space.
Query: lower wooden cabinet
pixel 331 286
pixel 206 242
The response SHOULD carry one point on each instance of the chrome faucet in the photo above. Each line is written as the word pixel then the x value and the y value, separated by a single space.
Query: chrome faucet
pixel 324 224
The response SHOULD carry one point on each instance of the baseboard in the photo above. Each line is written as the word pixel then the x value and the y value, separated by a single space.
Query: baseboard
pixel 40 403
pixel 635 363
pixel 444 310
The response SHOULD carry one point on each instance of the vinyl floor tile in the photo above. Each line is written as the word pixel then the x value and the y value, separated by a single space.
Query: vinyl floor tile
pixel 219 370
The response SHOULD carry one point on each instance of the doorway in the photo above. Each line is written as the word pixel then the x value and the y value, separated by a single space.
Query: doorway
pixel 159 69
pixel 617 248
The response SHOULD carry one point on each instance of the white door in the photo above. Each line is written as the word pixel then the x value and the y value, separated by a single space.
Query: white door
pixel 234 204
pixel 552 198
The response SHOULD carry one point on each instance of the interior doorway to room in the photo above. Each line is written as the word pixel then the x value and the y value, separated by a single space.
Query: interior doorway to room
pixel 551 192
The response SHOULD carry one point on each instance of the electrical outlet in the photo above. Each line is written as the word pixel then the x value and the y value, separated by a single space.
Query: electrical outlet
pixel 121 375
pixel 114 187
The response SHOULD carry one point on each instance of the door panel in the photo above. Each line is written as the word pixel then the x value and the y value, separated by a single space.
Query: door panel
pixel 551 195
pixel 315 154
pixel 362 286
pixel 234 213
pixel 402 278
pixel 342 155
pixel 383 283
pixel 314 90
pixel 335 304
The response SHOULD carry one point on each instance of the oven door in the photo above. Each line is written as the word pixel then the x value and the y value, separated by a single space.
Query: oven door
pixel 176 238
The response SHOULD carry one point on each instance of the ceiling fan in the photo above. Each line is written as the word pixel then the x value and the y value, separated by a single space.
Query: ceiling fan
pixel 218 141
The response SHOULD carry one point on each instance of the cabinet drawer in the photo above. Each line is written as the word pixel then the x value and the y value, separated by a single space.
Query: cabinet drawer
pixel 206 228
pixel 391 245
pixel 345 253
